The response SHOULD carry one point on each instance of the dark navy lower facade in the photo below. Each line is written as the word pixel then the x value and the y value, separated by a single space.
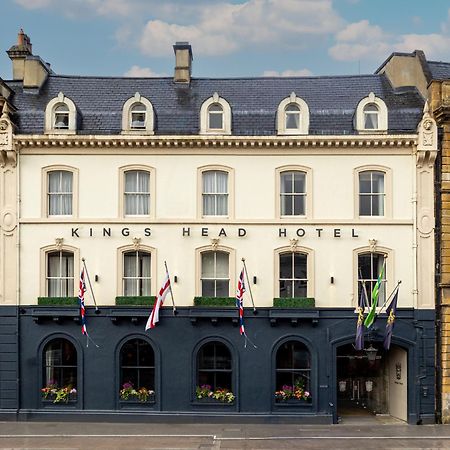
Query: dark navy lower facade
pixel 311 347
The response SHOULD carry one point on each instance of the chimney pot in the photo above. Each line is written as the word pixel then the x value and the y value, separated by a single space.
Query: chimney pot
pixel 183 62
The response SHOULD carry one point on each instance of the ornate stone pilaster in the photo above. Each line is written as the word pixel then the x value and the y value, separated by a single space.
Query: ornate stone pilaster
pixel 8 211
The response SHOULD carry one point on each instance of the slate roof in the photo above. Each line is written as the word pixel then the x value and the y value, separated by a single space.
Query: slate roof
pixel 254 101
pixel 439 70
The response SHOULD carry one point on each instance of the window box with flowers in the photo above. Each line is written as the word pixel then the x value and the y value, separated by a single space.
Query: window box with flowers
pixel 221 396
pixel 135 397
pixel 293 395
pixel 52 394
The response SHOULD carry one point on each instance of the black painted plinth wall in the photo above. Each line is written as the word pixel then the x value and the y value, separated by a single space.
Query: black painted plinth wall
pixel 176 340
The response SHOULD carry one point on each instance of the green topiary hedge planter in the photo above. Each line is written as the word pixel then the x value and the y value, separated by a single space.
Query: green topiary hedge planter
pixel 295 302
pixel 135 301
pixel 58 301
pixel 215 301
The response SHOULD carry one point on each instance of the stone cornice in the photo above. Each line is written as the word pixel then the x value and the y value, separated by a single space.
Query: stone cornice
pixel 281 142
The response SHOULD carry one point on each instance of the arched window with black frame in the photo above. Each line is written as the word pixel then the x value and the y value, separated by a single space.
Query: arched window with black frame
pixel 214 378
pixel 59 371
pixel 293 372
pixel 137 371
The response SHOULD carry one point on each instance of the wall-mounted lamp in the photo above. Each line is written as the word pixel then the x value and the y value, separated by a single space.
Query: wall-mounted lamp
pixel 175 279
pixel 332 280
pixel 254 279
pixel 371 353
pixel 96 278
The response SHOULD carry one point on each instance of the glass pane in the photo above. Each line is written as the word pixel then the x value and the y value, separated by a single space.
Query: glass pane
pixel 66 181
pixel 208 265
pixel 222 288
pixel 223 357
pixel 129 264
pixel 129 376
pixel 292 121
pixel 53 265
pixel 222 182
pixel 131 181
pixel 286 265
pixel 208 288
pixel 285 289
pixel 300 265
pixel 61 120
pixel 144 264
pixel 209 205
pixel 370 121
pixel 146 356
pixel 209 182
pixel 138 107
pixel 286 205
pixel 223 380
pixel 378 182
pixel 129 353
pixel 206 357
pixel 216 121
pixel 130 287
pixel 69 377
pixel 300 288
pixel 299 205
pixel 300 357
pixel 364 267
pixel 222 265
pixel 67 264
pixel 69 353
pixel 377 205
pixel 215 108
pixel 222 205
pixel 286 182
pixel 292 108
pixel 299 182
pixel 371 108
pixel 147 378
pixel 364 205
pixel 365 179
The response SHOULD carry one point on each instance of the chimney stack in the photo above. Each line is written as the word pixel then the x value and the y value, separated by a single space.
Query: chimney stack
pixel 183 62
pixel 18 53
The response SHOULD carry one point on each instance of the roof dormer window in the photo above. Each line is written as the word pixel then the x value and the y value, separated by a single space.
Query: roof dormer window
pixel 137 116
pixel 60 115
pixel 293 116
pixel 371 115
pixel 215 116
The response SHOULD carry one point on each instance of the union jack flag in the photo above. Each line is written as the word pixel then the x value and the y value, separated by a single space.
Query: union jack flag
pixel 81 293
pixel 240 301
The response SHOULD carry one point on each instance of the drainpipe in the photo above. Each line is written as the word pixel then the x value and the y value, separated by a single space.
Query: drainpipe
pixel 18 280
pixel 414 243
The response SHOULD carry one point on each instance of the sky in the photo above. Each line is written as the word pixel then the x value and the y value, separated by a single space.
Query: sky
pixel 230 38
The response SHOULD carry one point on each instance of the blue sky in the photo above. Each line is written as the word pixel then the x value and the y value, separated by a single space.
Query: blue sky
pixel 230 38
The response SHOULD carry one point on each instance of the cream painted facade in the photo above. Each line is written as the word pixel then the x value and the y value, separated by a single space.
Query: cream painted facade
pixel 404 233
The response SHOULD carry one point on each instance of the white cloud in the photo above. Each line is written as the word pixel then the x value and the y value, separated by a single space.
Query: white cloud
pixel 288 73
pixel 363 41
pixel 223 28
pixel 137 71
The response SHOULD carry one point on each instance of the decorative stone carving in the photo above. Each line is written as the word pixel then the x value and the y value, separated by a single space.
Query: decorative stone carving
pixel 136 243
pixel 59 243
pixel 373 245
pixel 215 243
pixel 293 244
pixel 8 221
pixel 427 144
pixel 7 152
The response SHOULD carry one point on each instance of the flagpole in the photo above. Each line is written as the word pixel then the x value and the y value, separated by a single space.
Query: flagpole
pixel 249 286
pixel 392 293
pixel 174 308
pixel 90 284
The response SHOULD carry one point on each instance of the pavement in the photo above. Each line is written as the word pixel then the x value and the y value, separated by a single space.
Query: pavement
pixel 381 432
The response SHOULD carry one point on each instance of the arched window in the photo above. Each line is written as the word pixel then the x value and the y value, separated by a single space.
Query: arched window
pixel 215 366
pixel 293 275
pixel 60 274
pixel 215 274
pixel 372 193
pixel 137 193
pixel 59 367
pixel 137 116
pixel 371 115
pixel 293 116
pixel 370 266
pixel 292 193
pixel 293 371
pixel 60 115
pixel 137 371
pixel 136 279
pixel 215 116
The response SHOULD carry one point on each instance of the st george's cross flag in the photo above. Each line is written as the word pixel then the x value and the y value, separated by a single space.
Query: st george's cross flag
pixel 240 301
pixel 159 301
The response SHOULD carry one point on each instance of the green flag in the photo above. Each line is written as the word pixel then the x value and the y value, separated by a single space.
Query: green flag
pixel 375 292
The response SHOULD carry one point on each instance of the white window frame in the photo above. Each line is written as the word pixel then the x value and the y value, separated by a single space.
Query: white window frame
pixel 387 192
pixel 308 191
pixel 226 117
pixel 215 168
pixel 389 273
pixel 382 115
pixel 309 268
pixel 138 280
pixel 44 252
pixel 50 110
pixel 121 267
pixel 231 267
pixel 148 129
pixel 303 128
pixel 45 191
pixel 152 186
